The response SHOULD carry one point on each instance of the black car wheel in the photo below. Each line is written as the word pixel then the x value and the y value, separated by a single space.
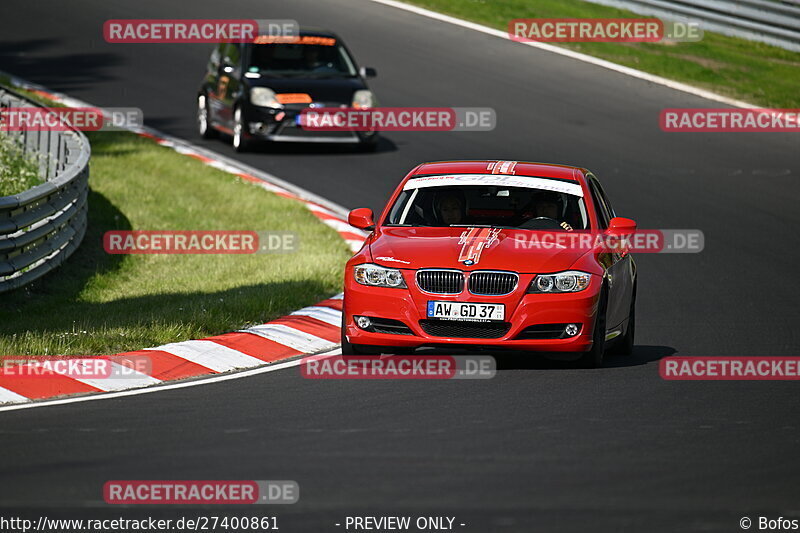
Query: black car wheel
pixel 204 127
pixel 594 357
pixel 624 345
pixel 368 143
pixel 240 142
pixel 347 348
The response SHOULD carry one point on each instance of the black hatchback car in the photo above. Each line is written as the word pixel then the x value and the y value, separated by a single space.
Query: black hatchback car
pixel 256 91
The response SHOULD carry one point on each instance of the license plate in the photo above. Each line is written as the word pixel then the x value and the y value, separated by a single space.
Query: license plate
pixel 466 311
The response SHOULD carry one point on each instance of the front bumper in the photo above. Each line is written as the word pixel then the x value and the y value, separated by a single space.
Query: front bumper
pixel 280 125
pixel 521 312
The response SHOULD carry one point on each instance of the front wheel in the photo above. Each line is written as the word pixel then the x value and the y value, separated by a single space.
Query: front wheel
pixel 594 357
pixel 624 345
pixel 368 143
pixel 347 348
pixel 204 127
pixel 240 141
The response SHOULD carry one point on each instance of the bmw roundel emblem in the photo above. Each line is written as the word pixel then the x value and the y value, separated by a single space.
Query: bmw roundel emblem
pixel 469 262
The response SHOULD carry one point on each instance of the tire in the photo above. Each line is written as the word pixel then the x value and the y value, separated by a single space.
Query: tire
pixel 624 345
pixel 240 143
pixel 594 357
pixel 366 349
pixel 368 146
pixel 347 348
pixel 204 127
pixel 368 143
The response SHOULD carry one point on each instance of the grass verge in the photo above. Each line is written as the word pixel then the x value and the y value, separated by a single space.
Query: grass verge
pixel 18 171
pixel 101 304
pixel 758 73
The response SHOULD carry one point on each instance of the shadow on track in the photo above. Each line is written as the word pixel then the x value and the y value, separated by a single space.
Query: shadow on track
pixel 38 59
pixel 385 145
pixel 642 355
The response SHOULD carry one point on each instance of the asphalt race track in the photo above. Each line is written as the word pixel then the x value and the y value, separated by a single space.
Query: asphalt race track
pixel 542 447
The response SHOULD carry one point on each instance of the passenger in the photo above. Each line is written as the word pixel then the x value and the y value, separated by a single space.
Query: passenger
pixel 451 207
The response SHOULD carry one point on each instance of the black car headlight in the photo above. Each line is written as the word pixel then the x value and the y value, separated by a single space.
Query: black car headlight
pixel 568 281
pixel 378 276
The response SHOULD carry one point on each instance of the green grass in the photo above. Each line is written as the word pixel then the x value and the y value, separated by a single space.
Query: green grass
pixel 18 171
pixel 98 303
pixel 750 71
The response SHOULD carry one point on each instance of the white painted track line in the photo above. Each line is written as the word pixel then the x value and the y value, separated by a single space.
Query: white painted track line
pixel 158 388
pixel 652 78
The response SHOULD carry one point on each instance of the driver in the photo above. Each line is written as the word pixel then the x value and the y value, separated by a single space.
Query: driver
pixel 450 206
pixel 549 206
pixel 314 61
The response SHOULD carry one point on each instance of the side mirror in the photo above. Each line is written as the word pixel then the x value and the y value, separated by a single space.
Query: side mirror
pixel 621 226
pixel 367 72
pixel 361 218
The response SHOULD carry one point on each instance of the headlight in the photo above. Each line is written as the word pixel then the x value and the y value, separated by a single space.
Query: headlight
pixel 364 99
pixel 569 281
pixel 264 97
pixel 378 276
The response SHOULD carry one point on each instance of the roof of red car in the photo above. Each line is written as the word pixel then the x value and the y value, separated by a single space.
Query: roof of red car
pixel 518 168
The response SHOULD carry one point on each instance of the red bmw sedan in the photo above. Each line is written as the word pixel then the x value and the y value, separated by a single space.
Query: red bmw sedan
pixel 492 255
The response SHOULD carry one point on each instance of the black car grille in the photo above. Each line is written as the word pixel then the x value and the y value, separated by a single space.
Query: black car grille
pixel 466 330
pixel 388 325
pixel 492 283
pixel 441 281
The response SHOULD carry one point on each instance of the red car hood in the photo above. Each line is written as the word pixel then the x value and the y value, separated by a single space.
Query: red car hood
pixel 487 249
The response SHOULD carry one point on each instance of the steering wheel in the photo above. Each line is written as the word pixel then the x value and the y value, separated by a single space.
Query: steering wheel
pixel 543 223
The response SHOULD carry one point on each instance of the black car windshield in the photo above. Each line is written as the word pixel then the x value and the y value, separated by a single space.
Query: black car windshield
pixel 495 205
pixel 318 58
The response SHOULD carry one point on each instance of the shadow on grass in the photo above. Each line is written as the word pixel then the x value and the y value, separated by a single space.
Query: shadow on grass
pixel 51 313
pixel 165 317
pixel 65 283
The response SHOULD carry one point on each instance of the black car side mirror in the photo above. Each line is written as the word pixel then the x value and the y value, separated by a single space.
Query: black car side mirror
pixel 367 72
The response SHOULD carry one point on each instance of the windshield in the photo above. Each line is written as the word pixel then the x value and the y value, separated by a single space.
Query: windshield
pixel 490 205
pixel 302 59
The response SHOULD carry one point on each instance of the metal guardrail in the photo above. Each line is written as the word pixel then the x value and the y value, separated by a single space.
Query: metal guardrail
pixel 41 227
pixel 767 21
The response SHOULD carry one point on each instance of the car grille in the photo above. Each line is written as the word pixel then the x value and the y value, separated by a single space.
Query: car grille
pixel 466 330
pixel 387 325
pixel 543 331
pixel 441 281
pixel 492 283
